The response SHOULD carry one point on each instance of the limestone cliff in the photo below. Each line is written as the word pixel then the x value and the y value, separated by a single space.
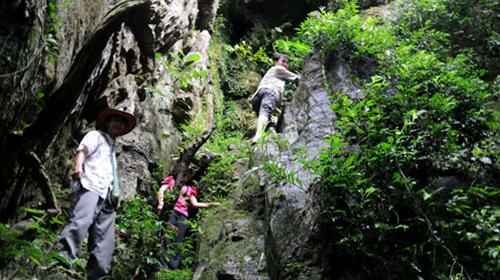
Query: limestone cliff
pixel 271 230
pixel 62 61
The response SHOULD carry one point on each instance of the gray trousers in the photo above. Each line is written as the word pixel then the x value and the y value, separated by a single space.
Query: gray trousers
pixel 94 216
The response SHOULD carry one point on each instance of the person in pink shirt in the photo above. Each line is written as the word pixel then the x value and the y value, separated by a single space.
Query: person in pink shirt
pixel 186 200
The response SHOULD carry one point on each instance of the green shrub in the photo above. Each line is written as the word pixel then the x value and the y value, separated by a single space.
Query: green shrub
pixel 181 274
pixel 345 29
pixel 30 251
pixel 144 239
pixel 296 51
pixel 240 69
pixel 183 69
pixel 468 24
pixel 426 115
pixel 326 30
pixel 227 142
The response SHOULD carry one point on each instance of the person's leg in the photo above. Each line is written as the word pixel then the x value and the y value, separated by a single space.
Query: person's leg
pixel 82 217
pixel 101 242
pixel 181 232
pixel 172 225
pixel 256 100
pixel 267 105
pixel 181 229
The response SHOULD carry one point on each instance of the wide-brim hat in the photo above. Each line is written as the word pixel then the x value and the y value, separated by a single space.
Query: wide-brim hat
pixel 106 114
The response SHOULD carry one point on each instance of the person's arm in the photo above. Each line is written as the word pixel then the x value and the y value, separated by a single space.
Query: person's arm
pixel 283 74
pixel 87 147
pixel 79 159
pixel 194 202
pixel 160 196
pixel 167 183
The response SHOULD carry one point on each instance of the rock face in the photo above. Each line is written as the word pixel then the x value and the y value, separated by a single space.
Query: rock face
pixel 293 235
pixel 207 12
pixel 280 221
pixel 66 61
pixel 232 245
pixel 39 46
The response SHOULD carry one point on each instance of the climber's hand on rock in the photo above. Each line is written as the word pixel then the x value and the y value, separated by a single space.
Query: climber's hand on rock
pixel 77 174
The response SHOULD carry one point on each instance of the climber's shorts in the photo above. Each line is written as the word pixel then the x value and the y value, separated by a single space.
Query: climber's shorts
pixel 264 102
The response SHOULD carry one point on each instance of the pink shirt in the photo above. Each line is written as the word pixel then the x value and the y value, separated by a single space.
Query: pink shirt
pixel 181 205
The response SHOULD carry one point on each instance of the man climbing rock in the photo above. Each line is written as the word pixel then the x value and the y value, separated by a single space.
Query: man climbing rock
pixel 185 201
pixel 96 194
pixel 268 95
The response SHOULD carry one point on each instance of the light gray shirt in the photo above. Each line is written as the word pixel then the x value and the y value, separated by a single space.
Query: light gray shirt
pixel 97 167
pixel 275 78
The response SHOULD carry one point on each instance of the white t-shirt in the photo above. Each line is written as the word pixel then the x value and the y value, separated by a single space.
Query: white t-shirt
pixel 97 167
pixel 275 78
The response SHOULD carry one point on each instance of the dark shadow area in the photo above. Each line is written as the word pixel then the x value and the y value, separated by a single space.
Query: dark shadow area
pixel 242 17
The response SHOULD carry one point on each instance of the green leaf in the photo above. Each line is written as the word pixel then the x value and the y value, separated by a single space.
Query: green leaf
pixel 426 195
pixel 34 211
pixel 192 57
pixel 369 191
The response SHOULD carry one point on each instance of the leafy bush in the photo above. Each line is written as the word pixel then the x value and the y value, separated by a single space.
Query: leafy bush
pixel 346 29
pixel 227 142
pixel 242 65
pixel 29 252
pixel 469 24
pixel 145 239
pixel 279 174
pixel 182 68
pixel 327 30
pixel 181 274
pixel 240 69
pixel 426 118
pixel 296 51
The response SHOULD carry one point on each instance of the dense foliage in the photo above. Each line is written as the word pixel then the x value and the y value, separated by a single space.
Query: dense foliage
pixel 23 256
pixel 238 65
pixel 229 146
pixel 467 24
pixel 145 240
pixel 411 176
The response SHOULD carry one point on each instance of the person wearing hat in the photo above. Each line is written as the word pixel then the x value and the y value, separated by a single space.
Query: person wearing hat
pixel 96 194
pixel 269 93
